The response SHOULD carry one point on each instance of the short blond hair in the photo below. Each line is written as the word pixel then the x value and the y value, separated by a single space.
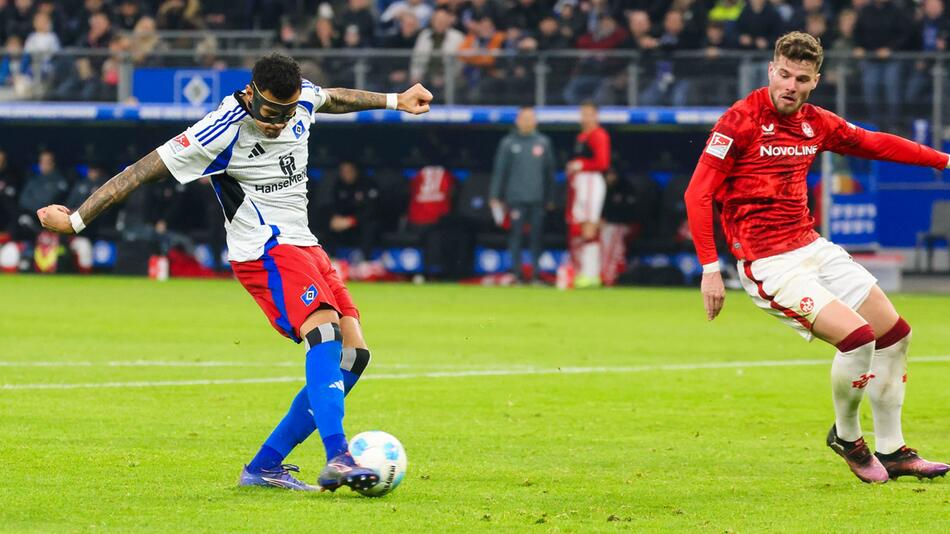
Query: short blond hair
pixel 800 46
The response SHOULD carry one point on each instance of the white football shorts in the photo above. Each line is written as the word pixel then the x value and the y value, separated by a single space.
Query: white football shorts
pixel 794 286
pixel 590 189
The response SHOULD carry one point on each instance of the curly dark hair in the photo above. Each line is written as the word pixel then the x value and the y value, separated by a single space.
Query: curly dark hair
pixel 278 74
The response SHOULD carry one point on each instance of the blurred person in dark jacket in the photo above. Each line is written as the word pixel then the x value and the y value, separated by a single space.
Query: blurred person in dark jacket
pixel 522 186
pixel 350 217
pixel 47 186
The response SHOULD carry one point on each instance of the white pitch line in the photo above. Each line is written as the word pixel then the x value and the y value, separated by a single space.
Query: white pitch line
pixel 457 374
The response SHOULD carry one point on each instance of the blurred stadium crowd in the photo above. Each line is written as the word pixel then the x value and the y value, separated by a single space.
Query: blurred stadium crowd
pixel 493 40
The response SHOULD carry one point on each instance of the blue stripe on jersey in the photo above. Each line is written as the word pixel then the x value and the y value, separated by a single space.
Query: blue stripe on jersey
pixel 261 218
pixel 307 83
pixel 212 135
pixel 276 286
pixel 220 119
pixel 218 124
pixel 306 105
pixel 220 163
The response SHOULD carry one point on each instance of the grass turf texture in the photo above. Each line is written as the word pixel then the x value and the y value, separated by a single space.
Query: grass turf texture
pixel 717 449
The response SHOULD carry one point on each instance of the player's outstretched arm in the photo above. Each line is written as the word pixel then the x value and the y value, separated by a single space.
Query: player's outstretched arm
pixel 414 100
pixel 151 168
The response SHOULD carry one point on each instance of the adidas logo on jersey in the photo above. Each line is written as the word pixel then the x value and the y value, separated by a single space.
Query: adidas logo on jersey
pixel 257 151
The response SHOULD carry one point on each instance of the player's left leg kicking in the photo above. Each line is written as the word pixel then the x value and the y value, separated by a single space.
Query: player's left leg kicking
pixel 331 370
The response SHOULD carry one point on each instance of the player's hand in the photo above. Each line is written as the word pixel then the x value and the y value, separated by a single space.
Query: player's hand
pixel 574 167
pixel 496 204
pixel 55 218
pixel 414 100
pixel 714 294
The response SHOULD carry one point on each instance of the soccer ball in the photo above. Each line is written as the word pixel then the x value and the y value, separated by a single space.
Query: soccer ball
pixel 382 453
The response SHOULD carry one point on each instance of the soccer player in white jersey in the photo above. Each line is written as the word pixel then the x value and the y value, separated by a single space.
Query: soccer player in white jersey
pixel 254 149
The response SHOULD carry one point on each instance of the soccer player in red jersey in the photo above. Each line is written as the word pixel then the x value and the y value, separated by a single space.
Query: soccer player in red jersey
pixel 753 170
pixel 586 193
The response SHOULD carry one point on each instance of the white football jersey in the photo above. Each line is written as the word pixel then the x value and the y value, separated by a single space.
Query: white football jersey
pixel 261 183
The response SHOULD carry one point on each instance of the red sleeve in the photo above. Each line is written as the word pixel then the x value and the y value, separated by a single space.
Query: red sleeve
pixel 846 138
pixel 699 209
pixel 599 143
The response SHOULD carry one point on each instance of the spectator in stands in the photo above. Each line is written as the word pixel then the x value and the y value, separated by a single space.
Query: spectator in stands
pixel 9 190
pixel 817 26
pixel 881 29
pixel 573 20
pixel 180 15
pixel 41 44
pixel 640 31
pixel 419 8
pixel 758 25
pixel 670 85
pixel 79 81
pixel 323 34
pixel 58 19
pixel 48 186
pixel 718 83
pixel 479 55
pixel 128 15
pixel 99 34
pixel 523 186
pixel 473 11
pixel 524 14
pixel 352 217
pixel 791 15
pixel 19 18
pixel 695 16
pixel 727 12
pixel 15 77
pixel 428 64
pixel 404 39
pixel 145 42
pixel 819 7
pixel 589 81
pixel 550 36
pixel 358 14
pixel 930 35
pixel 81 23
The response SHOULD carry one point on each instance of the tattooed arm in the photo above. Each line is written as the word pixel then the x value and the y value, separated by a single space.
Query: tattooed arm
pixel 151 168
pixel 414 100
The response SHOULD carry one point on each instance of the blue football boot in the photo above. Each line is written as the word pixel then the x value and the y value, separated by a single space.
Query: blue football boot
pixel 278 477
pixel 343 471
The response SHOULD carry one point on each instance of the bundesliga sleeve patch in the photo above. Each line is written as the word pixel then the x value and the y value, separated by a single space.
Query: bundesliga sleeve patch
pixel 180 143
pixel 719 145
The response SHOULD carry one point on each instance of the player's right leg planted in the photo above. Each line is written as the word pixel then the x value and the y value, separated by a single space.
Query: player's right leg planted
pixel 849 376
pixel 325 388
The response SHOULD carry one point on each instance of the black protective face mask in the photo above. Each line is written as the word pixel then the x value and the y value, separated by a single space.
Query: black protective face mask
pixel 285 112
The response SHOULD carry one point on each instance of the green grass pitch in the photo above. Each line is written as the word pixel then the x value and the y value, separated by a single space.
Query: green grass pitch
pixel 130 405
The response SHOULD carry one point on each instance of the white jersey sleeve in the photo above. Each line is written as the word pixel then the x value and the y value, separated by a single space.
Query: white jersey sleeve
pixel 312 98
pixel 204 149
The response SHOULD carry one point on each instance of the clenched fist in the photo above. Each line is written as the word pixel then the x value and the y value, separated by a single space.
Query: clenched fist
pixel 414 100
pixel 55 218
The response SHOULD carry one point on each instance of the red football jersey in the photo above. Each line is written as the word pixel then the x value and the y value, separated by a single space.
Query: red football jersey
pixel 754 167
pixel 592 149
pixel 430 195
